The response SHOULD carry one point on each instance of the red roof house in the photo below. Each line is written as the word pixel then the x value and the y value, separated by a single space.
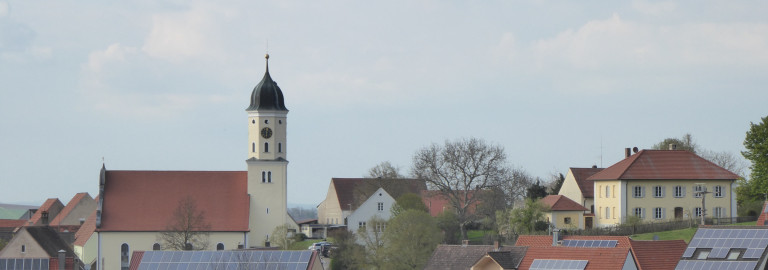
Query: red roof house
pixel 46 213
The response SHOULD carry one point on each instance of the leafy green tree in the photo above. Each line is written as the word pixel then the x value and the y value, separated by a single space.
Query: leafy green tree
pixel 349 254
pixel 280 237
pixel 683 143
pixel 523 220
pixel 756 143
pixel 372 236
pixel 408 201
pixel 536 191
pixel 449 224
pixel 410 239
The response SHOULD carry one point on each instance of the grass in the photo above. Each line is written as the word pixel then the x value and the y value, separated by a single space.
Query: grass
pixel 684 234
pixel 305 244
pixel 476 236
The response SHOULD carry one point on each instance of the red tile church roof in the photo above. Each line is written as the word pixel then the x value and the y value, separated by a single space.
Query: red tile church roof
pixel 146 200
pixel 664 165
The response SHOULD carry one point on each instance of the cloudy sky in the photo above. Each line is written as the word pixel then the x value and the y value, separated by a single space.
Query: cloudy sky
pixel 163 85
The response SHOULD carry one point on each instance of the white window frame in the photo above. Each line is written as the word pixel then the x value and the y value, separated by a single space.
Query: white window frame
pixel 638 191
pixel 718 191
pixel 696 190
pixel 658 191
pixel 658 213
pixel 639 212
pixel 607 212
pixel 679 192
pixel 380 206
pixel 607 191
pixel 697 211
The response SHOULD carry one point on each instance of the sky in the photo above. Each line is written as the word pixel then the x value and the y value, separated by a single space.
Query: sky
pixel 163 85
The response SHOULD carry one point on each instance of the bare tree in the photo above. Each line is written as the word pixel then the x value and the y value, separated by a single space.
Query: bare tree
pixel 372 236
pixel 187 228
pixel 683 143
pixel 385 170
pixel 727 160
pixel 281 236
pixel 460 168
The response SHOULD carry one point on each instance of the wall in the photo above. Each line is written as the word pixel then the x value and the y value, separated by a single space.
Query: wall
pixel 32 248
pixel 111 243
pixel 558 219
pixel 668 202
pixel 612 201
pixel 571 189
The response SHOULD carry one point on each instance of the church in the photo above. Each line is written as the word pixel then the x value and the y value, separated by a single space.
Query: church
pixel 240 209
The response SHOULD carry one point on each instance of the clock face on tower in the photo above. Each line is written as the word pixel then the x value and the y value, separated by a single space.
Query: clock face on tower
pixel 266 132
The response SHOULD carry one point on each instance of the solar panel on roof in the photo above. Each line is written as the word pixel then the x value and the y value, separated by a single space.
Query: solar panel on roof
pixel 590 243
pixel 558 264
pixel 249 259
pixel 731 265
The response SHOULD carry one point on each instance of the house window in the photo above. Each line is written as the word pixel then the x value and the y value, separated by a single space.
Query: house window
pixel 267 210
pixel 156 246
pixel 679 191
pixel 613 191
pixel 637 192
pixel 703 254
pixel 607 191
pixel 266 147
pixel 607 213
pixel 718 191
pixel 263 176
pixel 696 190
pixel 658 192
pixel 697 211
pixel 380 206
pixel 567 220
pixel 599 194
pixel 658 213
pixel 614 213
pixel 23 248
pixel 220 246
pixel 361 225
pixel 269 177
pixel 639 212
pixel 380 226
pixel 719 212
pixel 279 147
pixel 124 262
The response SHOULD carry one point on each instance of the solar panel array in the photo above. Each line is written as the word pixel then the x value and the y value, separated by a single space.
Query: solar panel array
pixel 558 264
pixel 590 243
pixel 722 240
pixel 24 264
pixel 230 259
pixel 707 265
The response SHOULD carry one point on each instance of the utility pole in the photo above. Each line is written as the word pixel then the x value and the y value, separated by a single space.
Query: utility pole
pixel 703 193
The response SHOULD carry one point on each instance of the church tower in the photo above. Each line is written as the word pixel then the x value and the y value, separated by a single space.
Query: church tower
pixel 267 163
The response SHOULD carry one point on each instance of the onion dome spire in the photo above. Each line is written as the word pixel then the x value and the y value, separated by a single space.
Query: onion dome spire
pixel 267 95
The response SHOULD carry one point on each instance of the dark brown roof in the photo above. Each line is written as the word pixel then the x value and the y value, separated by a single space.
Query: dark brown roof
pixel 146 200
pixel 562 203
pixel 662 254
pixel 448 257
pixel 664 165
pixel 70 206
pixel 586 186
pixel 507 259
pixel 355 191
pixel 10 225
pixel 49 240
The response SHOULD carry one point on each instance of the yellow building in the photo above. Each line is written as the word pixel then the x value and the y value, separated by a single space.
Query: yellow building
pixel 659 185
pixel 580 189
pixel 564 213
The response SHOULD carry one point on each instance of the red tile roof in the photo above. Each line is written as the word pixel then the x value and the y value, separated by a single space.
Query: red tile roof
pixel 562 203
pixel 46 207
pixel 70 206
pixel 136 260
pixel 86 230
pixel 664 165
pixel 598 258
pixel 450 257
pixel 146 200
pixel 586 186
pixel 10 225
pixel 354 191
pixel 546 240
pixel 763 217
pixel 658 255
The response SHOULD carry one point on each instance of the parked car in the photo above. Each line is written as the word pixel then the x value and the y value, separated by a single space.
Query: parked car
pixel 318 246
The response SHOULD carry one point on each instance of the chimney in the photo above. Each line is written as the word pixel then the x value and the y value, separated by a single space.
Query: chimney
pixel 62 257
pixel 672 146
pixel 627 152
pixel 495 245
pixel 556 235
pixel 44 217
pixel 464 243
pixel 82 220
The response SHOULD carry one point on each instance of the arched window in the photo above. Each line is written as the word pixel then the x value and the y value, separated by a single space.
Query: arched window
pixel 156 246
pixel 220 246
pixel 263 176
pixel 279 147
pixel 124 262
pixel 607 213
pixel 253 147
pixel 269 177
pixel 607 191
pixel 266 147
